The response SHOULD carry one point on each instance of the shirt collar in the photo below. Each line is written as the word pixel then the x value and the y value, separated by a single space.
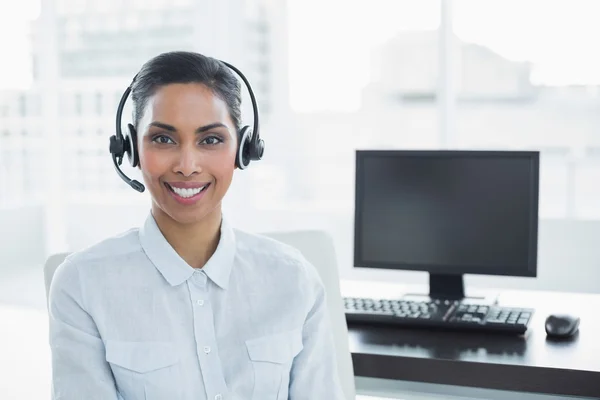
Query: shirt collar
pixel 174 268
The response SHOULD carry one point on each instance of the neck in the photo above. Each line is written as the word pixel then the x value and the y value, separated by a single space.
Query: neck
pixel 194 242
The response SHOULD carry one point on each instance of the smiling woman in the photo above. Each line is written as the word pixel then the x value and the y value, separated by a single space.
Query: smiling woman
pixel 187 306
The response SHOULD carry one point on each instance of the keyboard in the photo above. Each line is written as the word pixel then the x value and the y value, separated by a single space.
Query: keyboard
pixel 438 314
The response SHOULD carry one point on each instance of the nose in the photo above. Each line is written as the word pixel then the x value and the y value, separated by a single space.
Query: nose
pixel 188 163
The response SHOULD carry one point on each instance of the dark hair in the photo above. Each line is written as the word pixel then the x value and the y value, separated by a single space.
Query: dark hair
pixel 186 67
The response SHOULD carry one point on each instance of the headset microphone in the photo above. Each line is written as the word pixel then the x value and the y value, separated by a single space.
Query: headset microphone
pixel 131 182
pixel 250 145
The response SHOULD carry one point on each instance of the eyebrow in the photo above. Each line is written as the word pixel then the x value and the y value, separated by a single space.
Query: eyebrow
pixel 171 128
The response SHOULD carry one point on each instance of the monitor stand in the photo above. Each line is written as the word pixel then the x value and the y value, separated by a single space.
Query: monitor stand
pixel 452 288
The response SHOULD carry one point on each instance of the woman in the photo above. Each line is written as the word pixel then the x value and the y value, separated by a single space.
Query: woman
pixel 187 307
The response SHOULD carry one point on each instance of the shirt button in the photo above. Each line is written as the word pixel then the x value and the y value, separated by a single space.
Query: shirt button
pixel 200 302
pixel 207 349
pixel 218 397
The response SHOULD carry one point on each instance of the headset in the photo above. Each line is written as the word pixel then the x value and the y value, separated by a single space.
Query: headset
pixel 250 146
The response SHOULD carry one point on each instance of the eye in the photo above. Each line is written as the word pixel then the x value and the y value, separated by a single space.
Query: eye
pixel 212 140
pixel 162 139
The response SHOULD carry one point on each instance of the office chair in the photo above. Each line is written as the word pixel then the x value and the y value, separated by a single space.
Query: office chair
pixel 318 248
pixel 50 267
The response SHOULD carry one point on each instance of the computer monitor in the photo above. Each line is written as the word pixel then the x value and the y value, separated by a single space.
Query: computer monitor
pixel 448 213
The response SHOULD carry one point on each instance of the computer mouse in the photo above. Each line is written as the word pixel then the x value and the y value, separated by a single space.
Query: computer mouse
pixel 561 325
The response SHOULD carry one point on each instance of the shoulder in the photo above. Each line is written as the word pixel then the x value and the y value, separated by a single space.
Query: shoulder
pixel 106 253
pixel 110 248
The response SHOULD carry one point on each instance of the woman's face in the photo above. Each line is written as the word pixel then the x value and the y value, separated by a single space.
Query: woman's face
pixel 187 146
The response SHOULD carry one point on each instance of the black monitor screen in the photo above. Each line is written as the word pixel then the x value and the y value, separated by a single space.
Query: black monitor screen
pixel 447 211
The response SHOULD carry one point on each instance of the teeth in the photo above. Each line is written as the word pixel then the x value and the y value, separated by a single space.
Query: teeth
pixel 185 193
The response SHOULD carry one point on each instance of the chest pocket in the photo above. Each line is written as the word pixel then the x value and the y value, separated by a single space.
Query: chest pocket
pixel 144 370
pixel 272 358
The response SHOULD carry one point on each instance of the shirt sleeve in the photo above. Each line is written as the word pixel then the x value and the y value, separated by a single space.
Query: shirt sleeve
pixel 79 367
pixel 314 373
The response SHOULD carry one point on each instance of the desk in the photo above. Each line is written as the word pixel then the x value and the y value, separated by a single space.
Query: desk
pixel 530 363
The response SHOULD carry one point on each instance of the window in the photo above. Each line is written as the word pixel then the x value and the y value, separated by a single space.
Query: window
pixel 554 183
pixel 587 188
pixel 35 68
pixel 349 86
pixel 28 172
pixel 132 22
pixel 99 103
pixel 22 105
pixel 524 88
pixel 117 99
pixel 78 104
pixel 354 75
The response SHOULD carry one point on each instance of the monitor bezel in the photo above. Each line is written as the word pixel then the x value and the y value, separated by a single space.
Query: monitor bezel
pixel 528 270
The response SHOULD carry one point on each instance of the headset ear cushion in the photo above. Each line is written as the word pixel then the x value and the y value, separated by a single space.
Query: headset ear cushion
pixel 131 146
pixel 259 150
pixel 242 159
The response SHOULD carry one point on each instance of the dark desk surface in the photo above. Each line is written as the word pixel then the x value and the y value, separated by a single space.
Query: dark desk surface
pixel 529 363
